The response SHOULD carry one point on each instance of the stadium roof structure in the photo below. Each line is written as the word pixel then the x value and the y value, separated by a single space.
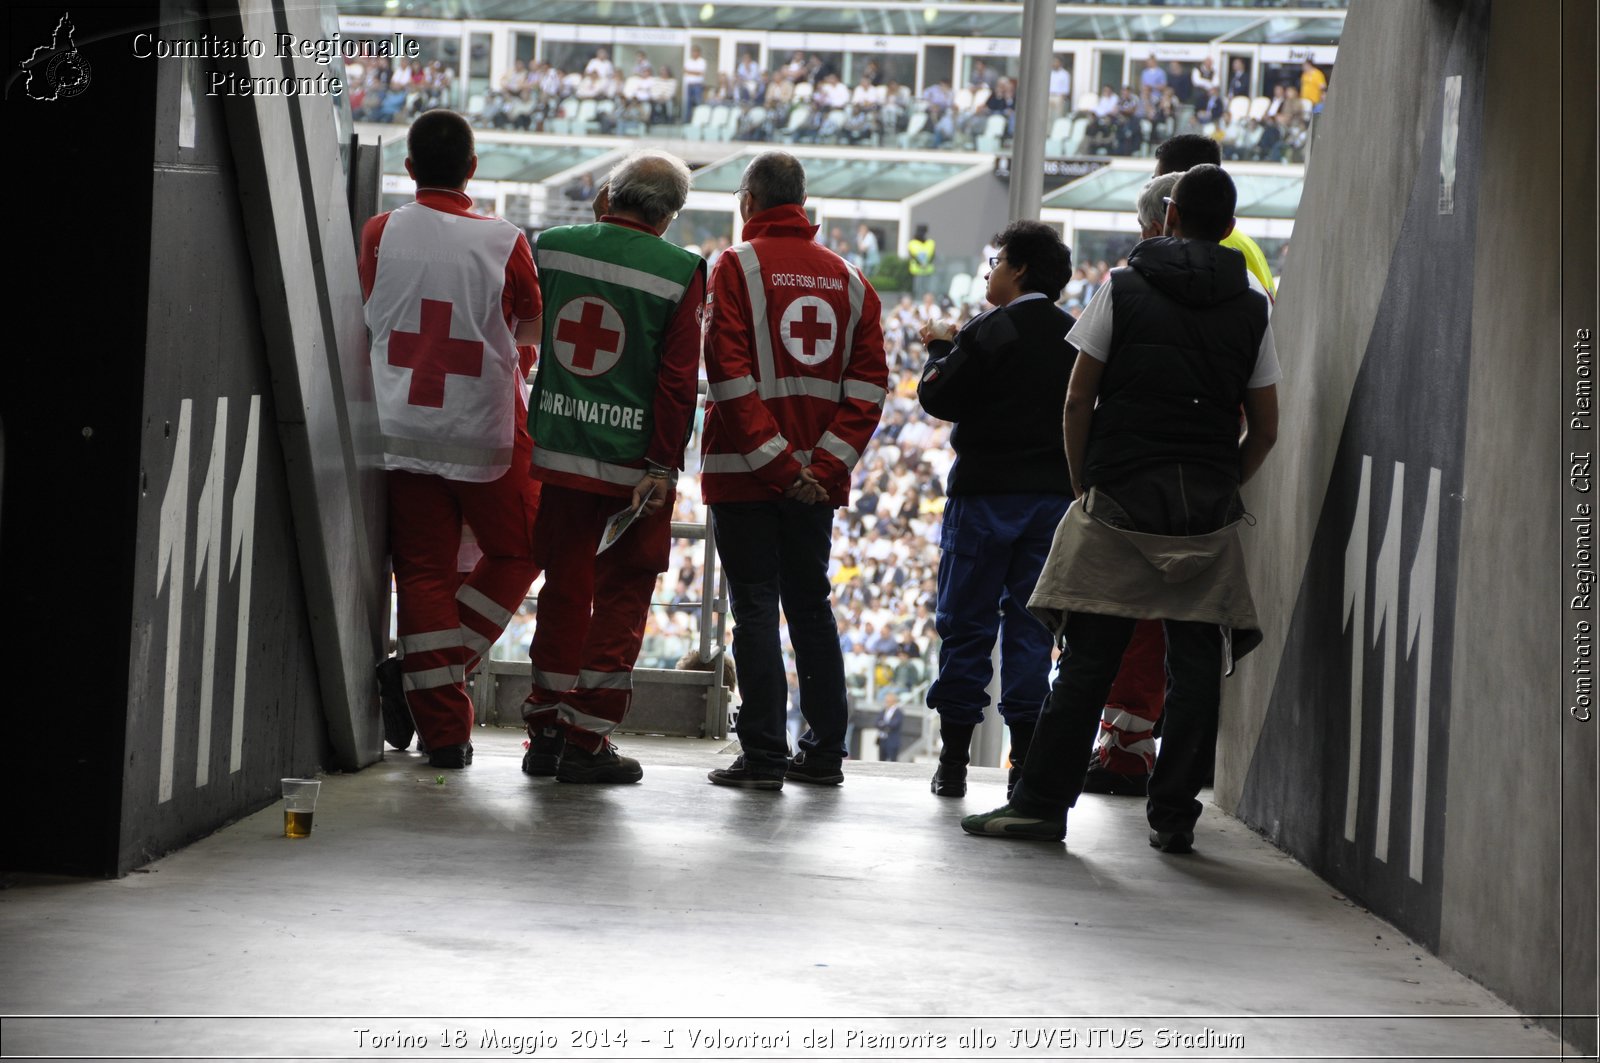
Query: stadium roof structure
pixel 835 176
pixel 1266 190
pixel 1294 22
pixel 499 160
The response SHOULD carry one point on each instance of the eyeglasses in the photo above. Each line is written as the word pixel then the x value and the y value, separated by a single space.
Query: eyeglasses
pixel 1169 201
pixel 995 260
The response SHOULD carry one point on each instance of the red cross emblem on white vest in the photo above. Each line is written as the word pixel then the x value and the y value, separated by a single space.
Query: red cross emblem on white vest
pixel 432 354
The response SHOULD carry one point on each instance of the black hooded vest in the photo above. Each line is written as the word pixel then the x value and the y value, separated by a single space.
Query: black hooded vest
pixel 1186 329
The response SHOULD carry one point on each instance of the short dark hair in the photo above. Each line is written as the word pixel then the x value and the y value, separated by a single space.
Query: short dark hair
pixel 1037 247
pixel 1205 199
pixel 1186 151
pixel 440 146
pixel 775 179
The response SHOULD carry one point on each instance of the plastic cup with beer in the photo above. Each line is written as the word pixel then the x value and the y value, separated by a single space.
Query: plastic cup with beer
pixel 299 803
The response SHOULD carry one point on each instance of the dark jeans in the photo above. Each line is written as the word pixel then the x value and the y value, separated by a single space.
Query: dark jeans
pixel 1052 776
pixel 777 552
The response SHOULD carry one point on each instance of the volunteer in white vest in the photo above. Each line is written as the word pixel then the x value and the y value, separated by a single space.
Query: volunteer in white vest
pixel 449 296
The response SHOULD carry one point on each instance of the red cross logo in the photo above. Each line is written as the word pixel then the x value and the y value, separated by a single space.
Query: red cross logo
pixel 589 336
pixel 808 330
pixel 432 354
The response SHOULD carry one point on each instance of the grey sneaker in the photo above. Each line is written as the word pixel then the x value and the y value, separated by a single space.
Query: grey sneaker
pixel 1007 822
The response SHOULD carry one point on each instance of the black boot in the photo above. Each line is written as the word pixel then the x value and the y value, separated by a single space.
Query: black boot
pixel 1021 739
pixel 950 778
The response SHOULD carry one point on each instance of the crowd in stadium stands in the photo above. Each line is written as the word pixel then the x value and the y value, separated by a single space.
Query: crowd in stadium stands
pixel 383 90
pixel 806 101
pixel 885 545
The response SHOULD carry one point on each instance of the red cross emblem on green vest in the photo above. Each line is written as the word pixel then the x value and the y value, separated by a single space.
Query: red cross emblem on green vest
pixel 589 336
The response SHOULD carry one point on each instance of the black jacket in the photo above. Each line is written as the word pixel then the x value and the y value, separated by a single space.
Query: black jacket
pixel 1186 331
pixel 1004 383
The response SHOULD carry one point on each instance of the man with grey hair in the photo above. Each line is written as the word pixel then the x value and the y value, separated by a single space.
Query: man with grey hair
pixel 797 383
pixel 610 415
pixel 1153 204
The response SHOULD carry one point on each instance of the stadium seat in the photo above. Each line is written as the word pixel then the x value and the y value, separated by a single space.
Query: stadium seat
pixel 587 119
pixel 914 129
pixel 797 121
pixel 1055 143
pixel 696 129
pixel 1087 101
pixel 1258 107
pixel 1239 107
pixel 960 285
pixel 1074 144
pixel 993 135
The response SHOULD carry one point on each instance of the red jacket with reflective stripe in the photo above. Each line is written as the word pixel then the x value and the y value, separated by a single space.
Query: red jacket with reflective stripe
pixel 794 356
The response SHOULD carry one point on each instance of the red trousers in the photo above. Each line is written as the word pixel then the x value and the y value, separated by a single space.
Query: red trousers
pixel 592 611
pixel 446 623
pixel 1125 744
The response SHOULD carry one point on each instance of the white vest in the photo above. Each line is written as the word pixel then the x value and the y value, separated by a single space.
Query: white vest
pixel 444 362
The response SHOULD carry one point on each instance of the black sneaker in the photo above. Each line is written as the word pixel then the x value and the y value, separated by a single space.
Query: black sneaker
pixel 1102 780
pixel 451 756
pixel 544 752
pixel 1007 822
pixel 818 772
pixel 606 766
pixel 397 725
pixel 739 774
pixel 950 780
pixel 1172 841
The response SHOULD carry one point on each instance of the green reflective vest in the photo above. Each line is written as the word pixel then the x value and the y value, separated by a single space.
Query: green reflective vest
pixel 921 257
pixel 609 294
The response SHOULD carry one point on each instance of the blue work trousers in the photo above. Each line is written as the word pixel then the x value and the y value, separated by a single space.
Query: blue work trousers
pixel 991 551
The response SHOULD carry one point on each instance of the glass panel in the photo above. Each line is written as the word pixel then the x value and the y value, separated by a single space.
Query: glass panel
pixel 505 162
pixel 1101 248
pixel 1290 31
pixel 1200 22
pixel 843 178
pixel 707 230
pixel 1111 67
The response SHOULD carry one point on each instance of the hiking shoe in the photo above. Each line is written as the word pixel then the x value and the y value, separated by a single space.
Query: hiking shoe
pixel 1172 841
pixel 950 780
pixel 1102 780
pixel 450 756
pixel 397 725
pixel 818 772
pixel 544 751
pixel 1007 822
pixel 605 766
pixel 739 774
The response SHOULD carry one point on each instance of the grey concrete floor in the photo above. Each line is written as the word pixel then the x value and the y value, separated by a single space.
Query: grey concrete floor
pixel 676 904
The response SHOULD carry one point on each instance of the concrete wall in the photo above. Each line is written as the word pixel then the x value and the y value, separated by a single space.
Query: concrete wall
pixel 191 433
pixel 1402 729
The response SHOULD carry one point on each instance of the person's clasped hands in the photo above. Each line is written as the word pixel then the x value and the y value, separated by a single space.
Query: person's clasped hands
pixel 806 489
